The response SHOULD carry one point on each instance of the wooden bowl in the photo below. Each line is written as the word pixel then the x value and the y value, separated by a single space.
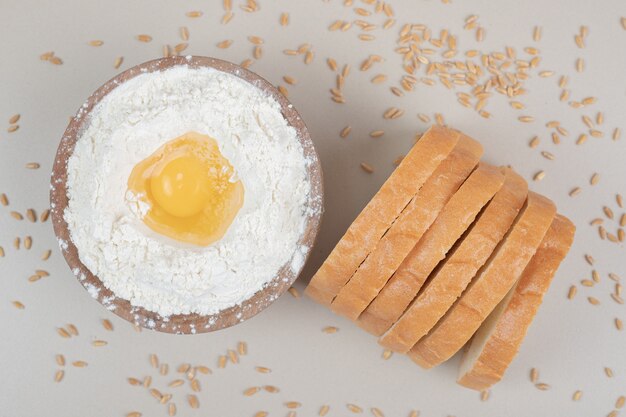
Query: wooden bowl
pixel 182 323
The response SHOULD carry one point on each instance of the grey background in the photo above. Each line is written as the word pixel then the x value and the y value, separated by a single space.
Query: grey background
pixel 570 342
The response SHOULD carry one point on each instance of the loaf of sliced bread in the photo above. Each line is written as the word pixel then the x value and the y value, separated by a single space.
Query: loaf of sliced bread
pixel 451 277
pixel 490 286
pixel 380 213
pixel 407 230
pixel 498 339
pixel 457 215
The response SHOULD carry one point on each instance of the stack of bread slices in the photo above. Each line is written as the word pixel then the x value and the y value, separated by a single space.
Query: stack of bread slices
pixel 450 252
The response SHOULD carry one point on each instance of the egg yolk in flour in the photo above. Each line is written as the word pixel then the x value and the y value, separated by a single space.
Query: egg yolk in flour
pixel 190 189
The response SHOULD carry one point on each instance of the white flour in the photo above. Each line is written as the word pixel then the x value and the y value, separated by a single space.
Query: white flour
pixel 157 273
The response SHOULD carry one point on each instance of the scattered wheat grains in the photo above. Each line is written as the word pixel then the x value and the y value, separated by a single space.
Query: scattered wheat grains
pixel 387 354
pixel 43 217
pixel 354 408
pixel 99 343
pixel 292 404
pixel 144 38
pixel 261 414
pixel 324 410
pixel 542 386
pixel 284 19
pixel 484 395
pixel 232 355
pixel 271 389
pixel 193 401
pixel 367 167
pixel 58 376
pixel 154 360
pixel 619 403
pixel 534 375
pixel 195 385
pixel 593 301
pixel 156 393
pixel 133 414
pixel 221 363
pixel 134 381
pixel 18 304
pixel 345 131
pixel 609 372
pixel 106 323
pixel 79 364
pixel 575 191
pixel 577 395
pixel 595 178
pixel 63 333
pixel 60 360
pixel 176 383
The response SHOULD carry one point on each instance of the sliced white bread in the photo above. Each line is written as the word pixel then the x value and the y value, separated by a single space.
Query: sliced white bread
pixel 382 210
pixel 457 215
pixel 498 339
pixel 489 287
pixel 407 230
pixel 452 275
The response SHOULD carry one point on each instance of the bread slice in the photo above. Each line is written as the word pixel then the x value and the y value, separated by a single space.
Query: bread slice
pixel 407 230
pixel 498 339
pixel 490 286
pixel 452 276
pixel 457 215
pixel 376 218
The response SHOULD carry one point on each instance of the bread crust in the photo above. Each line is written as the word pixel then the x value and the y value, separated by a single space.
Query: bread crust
pixel 447 283
pixel 453 220
pixel 407 230
pixel 489 287
pixel 379 214
pixel 497 342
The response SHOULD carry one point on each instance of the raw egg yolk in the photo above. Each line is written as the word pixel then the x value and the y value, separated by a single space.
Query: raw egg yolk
pixel 190 189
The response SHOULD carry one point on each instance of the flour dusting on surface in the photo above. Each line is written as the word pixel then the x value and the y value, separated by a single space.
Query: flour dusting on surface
pixel 160 274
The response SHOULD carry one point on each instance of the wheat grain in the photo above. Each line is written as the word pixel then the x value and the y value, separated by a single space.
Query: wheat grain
pixel 367 167
pixel 193 401
pixel 60 360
